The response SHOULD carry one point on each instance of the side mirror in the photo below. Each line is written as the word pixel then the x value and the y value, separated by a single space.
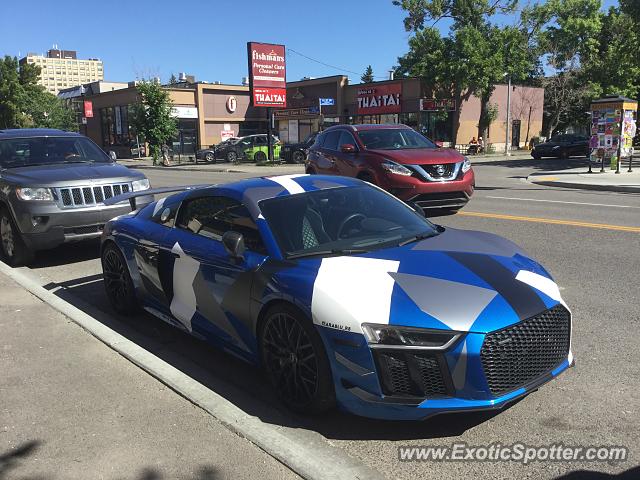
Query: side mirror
pixel 233 243
pixel 417 208
pixel 113 155
pixel 347 148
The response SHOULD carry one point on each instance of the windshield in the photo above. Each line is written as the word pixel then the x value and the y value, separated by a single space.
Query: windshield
pixel 24 152
pixel 393 139
pixel 342 221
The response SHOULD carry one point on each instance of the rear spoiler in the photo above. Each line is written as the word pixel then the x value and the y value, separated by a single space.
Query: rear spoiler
pixel 131 196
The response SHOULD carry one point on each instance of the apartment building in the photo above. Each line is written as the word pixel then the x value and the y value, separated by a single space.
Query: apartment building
pixel 62 69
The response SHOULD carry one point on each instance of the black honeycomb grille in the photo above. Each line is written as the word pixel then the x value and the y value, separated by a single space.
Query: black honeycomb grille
pixel 415 374
pixel 519 354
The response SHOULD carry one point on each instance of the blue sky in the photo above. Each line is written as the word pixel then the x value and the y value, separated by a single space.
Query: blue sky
pixel 207 38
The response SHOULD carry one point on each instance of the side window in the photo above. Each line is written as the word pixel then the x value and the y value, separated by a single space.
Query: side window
pixel 260 141
pixel 331 141
pixel 211 217
pixel 346 138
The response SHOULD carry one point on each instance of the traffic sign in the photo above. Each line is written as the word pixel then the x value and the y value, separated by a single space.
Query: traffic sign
pixel 327 102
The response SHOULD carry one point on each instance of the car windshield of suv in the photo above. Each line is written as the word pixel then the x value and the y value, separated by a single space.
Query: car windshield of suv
pixel 393 139
pixel 29 151
pixel 344 221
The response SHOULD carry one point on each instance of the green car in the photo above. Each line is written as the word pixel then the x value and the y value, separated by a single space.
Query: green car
pixel 255 149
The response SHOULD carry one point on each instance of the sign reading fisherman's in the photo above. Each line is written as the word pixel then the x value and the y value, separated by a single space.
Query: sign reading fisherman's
pixel 267 74
pixel 376 99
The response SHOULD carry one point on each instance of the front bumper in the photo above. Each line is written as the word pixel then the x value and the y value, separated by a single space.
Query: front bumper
pixel 45 226
pixel 482 371
pixel 452 194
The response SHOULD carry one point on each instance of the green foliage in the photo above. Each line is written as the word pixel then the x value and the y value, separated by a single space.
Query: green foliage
pixel 25 104
pixel 172 79
pixel 152 116
pixel 367 76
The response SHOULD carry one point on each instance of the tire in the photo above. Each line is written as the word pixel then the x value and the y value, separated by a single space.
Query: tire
pixel 232 157
pixel 286 338
pixel 14 251
pixel 298 157
pixel 210 157
pixel 117 281
pixel 537 156
pixel 259 157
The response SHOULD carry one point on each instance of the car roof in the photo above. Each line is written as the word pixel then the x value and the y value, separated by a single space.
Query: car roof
pixel 35 132
pixel 369 126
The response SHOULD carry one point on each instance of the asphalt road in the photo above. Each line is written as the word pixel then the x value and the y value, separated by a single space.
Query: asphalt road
pixel 589 241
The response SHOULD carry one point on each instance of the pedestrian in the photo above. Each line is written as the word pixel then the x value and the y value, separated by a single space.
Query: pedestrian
pixel 165 155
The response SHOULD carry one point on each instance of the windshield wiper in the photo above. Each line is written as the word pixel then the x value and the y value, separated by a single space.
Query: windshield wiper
pixel 334 251
pixel 416 238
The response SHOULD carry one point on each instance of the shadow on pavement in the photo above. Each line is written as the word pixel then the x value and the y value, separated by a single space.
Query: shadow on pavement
pixel 631 474
pixel 241 383
pixel 543 164
pixel 13 458
pixel 67 254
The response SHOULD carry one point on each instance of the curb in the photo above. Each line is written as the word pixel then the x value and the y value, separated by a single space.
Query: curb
pixel 326 461
pixel 185 169
pixel 584 186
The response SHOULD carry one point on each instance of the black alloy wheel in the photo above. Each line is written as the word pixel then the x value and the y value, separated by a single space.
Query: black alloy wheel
pixel 298 156
pixel 14 250
pixel 117 281
pixel 260 157
pixel 232 157
pixel 295 361
pixel 210 157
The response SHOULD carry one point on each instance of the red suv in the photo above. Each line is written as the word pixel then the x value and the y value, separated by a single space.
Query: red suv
pixel 398 159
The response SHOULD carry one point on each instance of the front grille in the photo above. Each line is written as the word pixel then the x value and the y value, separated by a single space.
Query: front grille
pixel 441 200
pixel 74 197
pixel 440 171
pixel 412 373
pixel 517 355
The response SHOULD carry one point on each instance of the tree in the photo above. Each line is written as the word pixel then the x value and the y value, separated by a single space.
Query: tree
pixel 152 116
pixel 24 103
pixel 172 79
pixel 367 76
pixel 473 57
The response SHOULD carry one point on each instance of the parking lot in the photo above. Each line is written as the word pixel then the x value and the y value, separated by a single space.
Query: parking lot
pixel 588 240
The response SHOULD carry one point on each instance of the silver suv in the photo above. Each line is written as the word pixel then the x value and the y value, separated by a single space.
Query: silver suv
pixel 52 190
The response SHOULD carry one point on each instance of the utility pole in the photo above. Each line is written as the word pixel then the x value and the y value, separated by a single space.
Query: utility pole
pixel 507 149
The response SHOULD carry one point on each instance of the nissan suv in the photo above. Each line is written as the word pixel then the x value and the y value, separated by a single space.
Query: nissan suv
pixel 52 190
pixel 397 159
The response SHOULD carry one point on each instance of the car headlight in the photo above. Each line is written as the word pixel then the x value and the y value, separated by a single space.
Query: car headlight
pixel 34 193
pixel 466 165
pixel 138 185
pixel 389 335
pixel 395 168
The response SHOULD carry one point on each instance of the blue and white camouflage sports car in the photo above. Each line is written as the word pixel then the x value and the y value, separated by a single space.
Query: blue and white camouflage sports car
pixel 343 294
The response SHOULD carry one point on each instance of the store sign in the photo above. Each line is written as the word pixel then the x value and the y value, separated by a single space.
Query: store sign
pixel 267 74
pixel 297 112
pixel 117 111
pixel 184 112
pixel 226 134
pixel 269 97
pixel 327 102
pixel 379 99
pixel 88 109
pixel 437 104
pixel 232 104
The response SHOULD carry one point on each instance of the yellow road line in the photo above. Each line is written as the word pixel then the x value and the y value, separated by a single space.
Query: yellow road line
pixel 553 221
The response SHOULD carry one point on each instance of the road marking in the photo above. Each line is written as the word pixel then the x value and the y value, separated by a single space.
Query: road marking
pixel 562 201
pixel 552 221
pixel 547 179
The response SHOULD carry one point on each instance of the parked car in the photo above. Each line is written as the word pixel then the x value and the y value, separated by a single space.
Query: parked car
pixel 210 154
pixel 138 149
pixel 53 185
pixel 562 146
pixel 246 148
pixel 343 294
pixel 397 159
pixel 297 152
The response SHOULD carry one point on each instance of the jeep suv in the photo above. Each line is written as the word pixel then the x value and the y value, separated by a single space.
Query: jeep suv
pixel 52 190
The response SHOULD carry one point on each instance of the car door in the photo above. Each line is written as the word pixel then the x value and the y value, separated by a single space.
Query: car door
pixel 210 290
pixel 347 162
pixel 327 154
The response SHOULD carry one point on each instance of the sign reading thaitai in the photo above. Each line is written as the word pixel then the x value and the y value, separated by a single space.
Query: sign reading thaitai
pixel 376 99
pixel 267 74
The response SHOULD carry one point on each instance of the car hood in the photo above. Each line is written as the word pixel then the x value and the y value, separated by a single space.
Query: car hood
pixel 460 280
pixel 69 174
pixel 422 156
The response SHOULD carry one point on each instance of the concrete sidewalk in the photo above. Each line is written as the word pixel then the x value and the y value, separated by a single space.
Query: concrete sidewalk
pixel 580 178
pixel 72 408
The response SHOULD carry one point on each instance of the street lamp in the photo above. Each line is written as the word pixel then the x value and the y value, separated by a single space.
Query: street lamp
pixel 507 143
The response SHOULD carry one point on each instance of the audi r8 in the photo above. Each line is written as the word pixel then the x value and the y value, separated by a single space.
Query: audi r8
pixel 343 294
